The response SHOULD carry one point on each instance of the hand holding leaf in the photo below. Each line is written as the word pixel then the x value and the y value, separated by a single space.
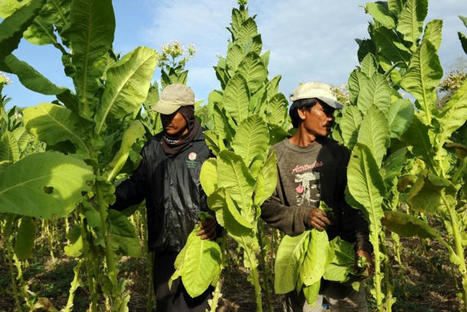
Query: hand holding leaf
pixel 364 264
pixel 318 219
pixel 207 226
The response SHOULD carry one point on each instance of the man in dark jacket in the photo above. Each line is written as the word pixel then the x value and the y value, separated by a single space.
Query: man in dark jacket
pixel 168 179
pixel 312 168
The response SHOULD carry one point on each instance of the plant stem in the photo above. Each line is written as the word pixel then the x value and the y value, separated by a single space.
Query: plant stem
pixel 73 286
pixel 255 277
pixel 266 268
pixel 388 280
pixel 216 295
pixel 12 274
pixel 378 276
pixel 110 262
pixel 458 247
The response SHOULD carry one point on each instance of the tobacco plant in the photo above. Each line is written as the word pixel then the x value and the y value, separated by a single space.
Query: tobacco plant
pixel 401 54
pixel 89 134
pixel 246 116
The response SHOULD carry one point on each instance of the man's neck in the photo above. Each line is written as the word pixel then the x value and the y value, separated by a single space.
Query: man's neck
pixel 303 138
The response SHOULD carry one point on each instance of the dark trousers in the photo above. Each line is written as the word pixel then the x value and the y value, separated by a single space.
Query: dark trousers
pixel 176 298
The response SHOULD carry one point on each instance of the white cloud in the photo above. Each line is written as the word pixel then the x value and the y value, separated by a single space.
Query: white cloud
pixel 309 40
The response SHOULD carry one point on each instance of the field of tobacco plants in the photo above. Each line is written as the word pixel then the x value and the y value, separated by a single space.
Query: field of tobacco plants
pixel 63 249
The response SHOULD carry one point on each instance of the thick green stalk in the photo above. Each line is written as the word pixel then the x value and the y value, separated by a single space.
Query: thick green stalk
pixel 110 260
pixel 255 277
pixel 458 247
pixel 216 295
pixel 12 274
pixel 266 268
pixel 73 286
pixel 378 275
pixel 388 280
pixel 89 271
pixel 50 240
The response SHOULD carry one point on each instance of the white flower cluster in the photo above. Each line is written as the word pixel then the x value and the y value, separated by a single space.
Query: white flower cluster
pixel 4 80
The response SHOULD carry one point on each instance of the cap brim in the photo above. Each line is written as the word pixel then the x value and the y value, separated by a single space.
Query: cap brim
pixel 331 102
pixel 165 108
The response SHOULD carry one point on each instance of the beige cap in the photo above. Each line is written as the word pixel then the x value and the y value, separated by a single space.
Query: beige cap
pixel 173 97
pixel 319 90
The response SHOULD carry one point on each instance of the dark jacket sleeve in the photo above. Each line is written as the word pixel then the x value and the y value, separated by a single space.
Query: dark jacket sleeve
pixel 132 190
pixel 292 220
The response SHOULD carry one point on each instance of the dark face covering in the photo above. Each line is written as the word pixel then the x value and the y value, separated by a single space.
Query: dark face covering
pixel 172 145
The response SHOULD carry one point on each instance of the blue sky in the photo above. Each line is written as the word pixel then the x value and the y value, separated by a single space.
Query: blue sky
pixel 309 40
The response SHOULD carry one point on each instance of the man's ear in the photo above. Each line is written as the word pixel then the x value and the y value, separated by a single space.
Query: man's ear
pixel 301 113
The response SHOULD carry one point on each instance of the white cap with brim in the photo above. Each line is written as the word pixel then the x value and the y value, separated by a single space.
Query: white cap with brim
pixel 319 90
pixel 173 97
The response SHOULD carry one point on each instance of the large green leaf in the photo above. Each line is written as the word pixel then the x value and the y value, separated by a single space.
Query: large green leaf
pixel 317 257
pixel 199 264
pixel 266 181
pixel 375 91
pixel 246 31
pixel 407 225
pixel 433 32
pixel 369 65
pixel 395 6
pixel 253 70
pixel 234 56
pixel 251 140
pixel 237 181
pixel 349 125
pixel 12 27
pixel 28 76
pixel 53 14
pixel 53 124
pixel 44 185
pixel 134 132
pixel 91 34
pixel 343 261
pixel 423 76
pixel 411 19
pixel 9 149
pixel 428 199
pixel 356 78
pixel 222 204
pixel 374 133
pixel 381 13
pixel 236 98
pixel 208 176
pixel 24 241
pixel 23 138
pixel 311 293
pixel 365 183
pixel 417 135
pixel 289 257
pixel 244 217
pixel 393 165
pixel 453 115
pixel 276 110
pixel 389 45
pixel 127 85
pixel 122 234
pixel 400 116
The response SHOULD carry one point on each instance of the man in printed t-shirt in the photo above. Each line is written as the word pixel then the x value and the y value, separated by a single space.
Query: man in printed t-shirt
pixel 312 168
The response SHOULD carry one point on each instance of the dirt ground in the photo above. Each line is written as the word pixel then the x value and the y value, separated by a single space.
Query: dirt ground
pixel 425 281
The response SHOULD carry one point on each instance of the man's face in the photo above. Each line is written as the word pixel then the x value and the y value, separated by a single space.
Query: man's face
pixel 174 124
pixel 318 119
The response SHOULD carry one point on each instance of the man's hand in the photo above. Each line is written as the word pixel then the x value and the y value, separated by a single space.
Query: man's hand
pixel 208 229
pixel 318 219
pixel 367 267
